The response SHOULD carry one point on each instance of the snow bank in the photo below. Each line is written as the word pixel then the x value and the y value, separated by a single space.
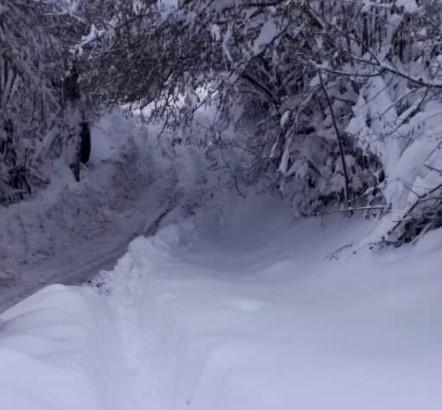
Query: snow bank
pixel 57 351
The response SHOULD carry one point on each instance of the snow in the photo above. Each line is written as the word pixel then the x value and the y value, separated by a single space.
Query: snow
pixel 238 307
pixel 94 35
pixel 215 31
pixel 409 5
pixel 408 146
pixel 285 118
pixel 51 346
pixel 268 32
pixel 68 231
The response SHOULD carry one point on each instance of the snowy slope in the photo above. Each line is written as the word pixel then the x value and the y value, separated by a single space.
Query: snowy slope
pixel 238 308
pixel 70 231
pixel 67 213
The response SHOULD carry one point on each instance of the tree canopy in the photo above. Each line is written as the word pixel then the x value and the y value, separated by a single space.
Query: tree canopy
pixel 331 103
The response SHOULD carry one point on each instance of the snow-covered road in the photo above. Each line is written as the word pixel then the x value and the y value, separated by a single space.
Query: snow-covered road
pixel 235 311
pixel 82 261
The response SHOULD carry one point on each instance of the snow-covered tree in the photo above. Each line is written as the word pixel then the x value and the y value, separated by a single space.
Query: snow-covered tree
pixel 36 121
pixel 324 102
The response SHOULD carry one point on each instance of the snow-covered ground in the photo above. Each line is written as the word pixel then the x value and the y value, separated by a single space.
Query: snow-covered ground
pixel 239 307
pixel 70 230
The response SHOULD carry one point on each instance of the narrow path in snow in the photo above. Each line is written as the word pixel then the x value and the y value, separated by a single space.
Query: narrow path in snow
pixel 238 311
pixel 258 318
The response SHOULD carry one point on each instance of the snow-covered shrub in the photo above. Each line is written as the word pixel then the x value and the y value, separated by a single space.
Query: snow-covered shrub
pixel 406 138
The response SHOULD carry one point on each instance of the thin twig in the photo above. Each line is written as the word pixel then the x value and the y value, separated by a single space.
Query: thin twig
pixel 338 136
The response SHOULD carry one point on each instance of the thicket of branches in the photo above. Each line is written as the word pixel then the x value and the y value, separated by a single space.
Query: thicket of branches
pixel 39 111
pixel 334 104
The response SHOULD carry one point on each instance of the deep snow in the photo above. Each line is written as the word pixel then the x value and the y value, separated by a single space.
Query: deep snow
pixel 239 307
pixel 69 231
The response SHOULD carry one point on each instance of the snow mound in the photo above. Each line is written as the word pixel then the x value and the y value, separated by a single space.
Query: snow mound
pixel 57 349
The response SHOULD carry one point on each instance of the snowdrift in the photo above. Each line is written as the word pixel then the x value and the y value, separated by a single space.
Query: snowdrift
pixel 233 311
pixel 57 350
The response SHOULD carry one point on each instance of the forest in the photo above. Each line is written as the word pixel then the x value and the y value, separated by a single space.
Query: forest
pixel 333 105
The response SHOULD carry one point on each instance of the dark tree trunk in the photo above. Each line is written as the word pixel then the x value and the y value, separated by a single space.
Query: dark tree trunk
pixel 72 95
pixel 85 147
